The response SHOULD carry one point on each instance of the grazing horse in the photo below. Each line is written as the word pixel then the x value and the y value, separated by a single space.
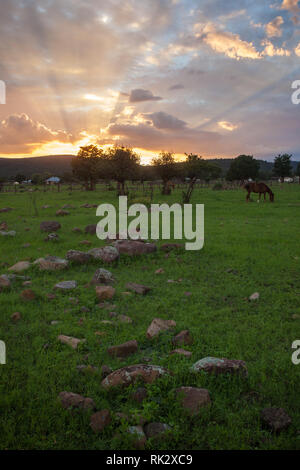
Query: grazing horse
pixel 260 188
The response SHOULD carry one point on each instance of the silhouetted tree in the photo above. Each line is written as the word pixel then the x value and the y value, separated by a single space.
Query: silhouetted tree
pixel 88 165
pixel 123 164
pixel 243 167
pixel 282 165
pixel 165 168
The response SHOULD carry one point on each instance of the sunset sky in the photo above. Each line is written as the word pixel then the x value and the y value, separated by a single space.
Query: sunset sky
pixel 211 77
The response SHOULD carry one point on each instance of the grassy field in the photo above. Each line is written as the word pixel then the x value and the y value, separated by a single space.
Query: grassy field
pixel 248 248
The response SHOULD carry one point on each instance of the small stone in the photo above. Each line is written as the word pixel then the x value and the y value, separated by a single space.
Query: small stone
pixel 123 350
pixel 11 233
pixel 50 226
pixel 85 242
pixel 193 399
pixel 183 352
pixel 159 271
pixel 100 420
pixel 134 247
pixel 139 436
pixel 105 292
pixel 76 230
pixel 54 322
pixel 90 228
pixel 62 212
pixel 70 399
pixel 27 294
pixel 20 267
pixel 87 369
pixel 254 296
pixel 276 419
pixel 84 309
pixel 158 325
pixel 66 285
pixel 4 282
pixel 295 316
pixel 70 341
pixel 16 316
pixel 171 246
pixel 102 276
pixel 156 429
pixel 140 394
pixel 52 237
pixel 184 337
pixel 138 288
pixel 130 374
pixel 107 254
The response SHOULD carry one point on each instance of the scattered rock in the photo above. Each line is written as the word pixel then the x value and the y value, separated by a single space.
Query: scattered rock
pixel 91 229
pixel 140 394
pixel 54 322
pixel 130 374
pixel 4 282
pixel 102 276
pixel 184 337
pixel 156 429
pixel 16 316
pixel 26 283
pixel 276 419
pixel 50 226
pixel 158 325
pixel 6 209
pixel 159 271
pixel 220 366
pixel 85 242
pixel 66 285
pixel 3 226
pixel 62 212
pixel 100 420
pixel 139 436
pixel 105 292
pixel 26 245
pixel 46 206
pixel 11 233
pixel 193 398
pixel 134 247
pixel 79 257
pixel 123 350
pixel 20 266
pixel 51 296
pixel 51 263
pixel 138 288
pixel 107 254
pixel 70 341
pixel 76 230
pixel 52 237
pixel 27 294
pixel 183 352
pixel 87 369
pixel 254 296
pixel 70 399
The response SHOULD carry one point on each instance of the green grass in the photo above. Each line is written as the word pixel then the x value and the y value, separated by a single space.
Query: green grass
pixel 259 243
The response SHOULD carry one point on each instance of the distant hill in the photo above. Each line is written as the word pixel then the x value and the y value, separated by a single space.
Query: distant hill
pixel 57 165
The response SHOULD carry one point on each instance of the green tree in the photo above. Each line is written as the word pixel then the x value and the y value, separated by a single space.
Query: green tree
pixel 282 165
pixel 123 164
pixel 243 167
pixel 36 178
pixel 19 177
pixel 165 168
pixel 88 165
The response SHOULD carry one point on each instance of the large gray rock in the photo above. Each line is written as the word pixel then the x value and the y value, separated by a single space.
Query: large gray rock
pixel 220 366
pixel 51 263
pixel 79 257
pixel 134 247
pixel 102 276
pixel 107 254
pixel 66 285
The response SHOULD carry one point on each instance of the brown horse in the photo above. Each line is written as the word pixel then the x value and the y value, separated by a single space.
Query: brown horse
pixel 260 188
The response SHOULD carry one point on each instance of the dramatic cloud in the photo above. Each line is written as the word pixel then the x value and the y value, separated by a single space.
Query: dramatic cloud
pixel 142 95
pixel 163 120
pixel 228 43
pixel 211 77
pixel 19 131
pixel 273 27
